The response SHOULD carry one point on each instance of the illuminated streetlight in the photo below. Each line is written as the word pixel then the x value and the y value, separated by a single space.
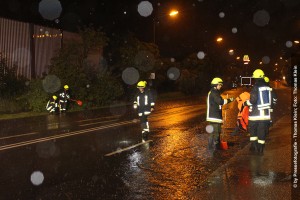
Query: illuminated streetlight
pixel 219 39
pixel 172 13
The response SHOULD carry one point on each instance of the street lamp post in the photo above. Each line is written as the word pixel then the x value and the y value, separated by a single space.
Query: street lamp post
pixel 172 13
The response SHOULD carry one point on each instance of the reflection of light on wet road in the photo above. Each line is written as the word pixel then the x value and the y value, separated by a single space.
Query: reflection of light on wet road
pixel 128 148
pixel 64 135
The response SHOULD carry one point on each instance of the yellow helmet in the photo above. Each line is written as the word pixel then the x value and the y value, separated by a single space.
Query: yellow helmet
pixel 141 84
pixel 267 80
pixel 54 97
pixel 217 81
pixel 66 87
pixel 258 73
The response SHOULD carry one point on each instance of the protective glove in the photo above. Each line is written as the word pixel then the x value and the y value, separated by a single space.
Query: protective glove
pixel 231 99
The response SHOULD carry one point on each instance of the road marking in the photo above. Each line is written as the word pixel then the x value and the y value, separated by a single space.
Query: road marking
pixel 128 148
pixel 21 135
pixel 108 117
pixel 19 144
pixel 99 122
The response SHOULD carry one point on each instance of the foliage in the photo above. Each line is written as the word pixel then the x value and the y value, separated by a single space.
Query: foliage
pixel 104 90
pixel 36 97
pixel 128 51
pixel 86 82
pixel 10 84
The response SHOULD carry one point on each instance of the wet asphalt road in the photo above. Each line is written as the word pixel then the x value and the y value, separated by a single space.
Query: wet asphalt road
pixel 64 156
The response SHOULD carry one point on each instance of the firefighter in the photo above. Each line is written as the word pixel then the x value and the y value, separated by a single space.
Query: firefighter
pixel 64 97
pixel 52 105
pixel 242 118
pixel 259 112
pixel 214 112
pixel 273 103
pixel 144 103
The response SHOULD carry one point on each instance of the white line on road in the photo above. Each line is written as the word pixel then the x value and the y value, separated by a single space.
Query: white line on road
pixel 99 122
pixel 21 135
pixel 19 144
pixel 128 148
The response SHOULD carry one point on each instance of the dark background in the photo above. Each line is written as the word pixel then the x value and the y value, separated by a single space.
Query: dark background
pixel 195 28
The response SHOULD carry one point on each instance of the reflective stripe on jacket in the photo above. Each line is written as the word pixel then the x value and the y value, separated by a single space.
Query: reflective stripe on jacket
pixel 144 102
pixel 260 101
pixel 214 106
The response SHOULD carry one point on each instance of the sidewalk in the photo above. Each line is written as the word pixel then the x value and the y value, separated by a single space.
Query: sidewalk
pixel 250 177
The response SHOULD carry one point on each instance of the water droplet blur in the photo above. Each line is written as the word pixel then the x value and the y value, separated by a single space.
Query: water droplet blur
pixel 37 178
pixel 209 128
pixel 261 18
pixel 130 75
pixel 234 30
pixel 51 83
pixel 266 60
pixel 173 73
pixel 145 8
pixel 200 54
pixel 221 14
pixel 50 9
pixel 289 44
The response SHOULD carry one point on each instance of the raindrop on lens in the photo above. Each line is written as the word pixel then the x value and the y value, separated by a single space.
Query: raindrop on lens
pixel 289 44
pixel 266 59
pixel 234 30
pixel 200 54
pixel 261 18
pixel 145 8
pixel 209 128
pixel 50 9
pixel 37 178
pixel 221 14
pixel 173 73
pixel 130 75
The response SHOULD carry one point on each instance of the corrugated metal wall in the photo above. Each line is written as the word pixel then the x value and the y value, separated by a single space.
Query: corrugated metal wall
pixel 15 41
pixel 15 45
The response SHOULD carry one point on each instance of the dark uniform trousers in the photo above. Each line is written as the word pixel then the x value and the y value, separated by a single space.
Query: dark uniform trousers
pixel 258 131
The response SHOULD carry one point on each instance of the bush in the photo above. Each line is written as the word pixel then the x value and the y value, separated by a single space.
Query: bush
pixel 104 90
pixel 36 97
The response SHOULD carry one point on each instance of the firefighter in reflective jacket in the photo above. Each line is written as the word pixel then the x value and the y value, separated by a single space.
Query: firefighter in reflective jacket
pixel 52 104
pixel 214 112
pixel 259 111
pixel 273 103
pixel 144 103
pixel 64 96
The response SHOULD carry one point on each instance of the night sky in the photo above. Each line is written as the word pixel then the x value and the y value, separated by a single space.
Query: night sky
pixel 255 27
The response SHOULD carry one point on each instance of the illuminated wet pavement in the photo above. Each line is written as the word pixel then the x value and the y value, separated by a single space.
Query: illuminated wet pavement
pixel 70 162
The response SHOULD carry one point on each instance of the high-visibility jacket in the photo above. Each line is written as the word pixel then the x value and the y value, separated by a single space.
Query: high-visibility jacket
pixel 243 113
pixel 52 105
pixel 214 106
pixel 144 101
pixel 64 96
pixel 260 102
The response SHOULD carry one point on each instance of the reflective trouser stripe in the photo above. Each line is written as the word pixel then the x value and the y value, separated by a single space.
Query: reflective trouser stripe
pixel 253 138
pixel 261 141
